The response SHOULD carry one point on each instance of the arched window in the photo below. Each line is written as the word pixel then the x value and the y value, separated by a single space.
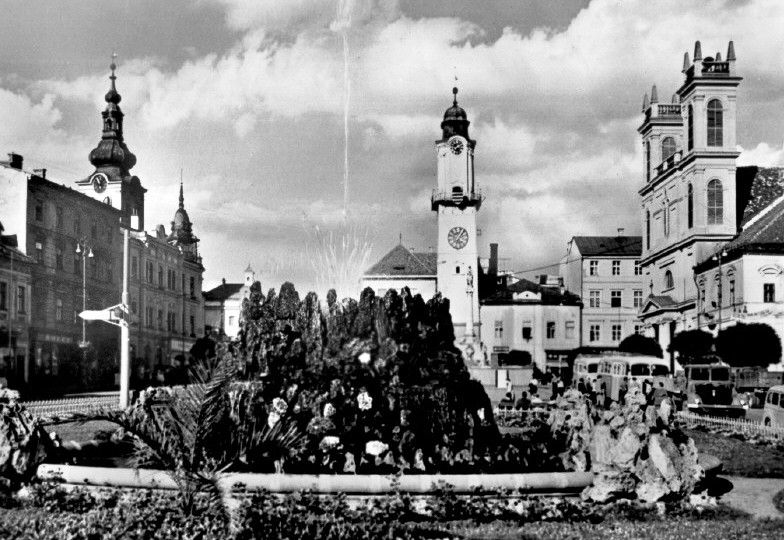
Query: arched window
pixel 690 204
pixel 647 161
pixel 690 128
pixel 648 229
pixel 715 203
pixel 715 123
pixel 667 147
pixel 669 282
pixel 666 219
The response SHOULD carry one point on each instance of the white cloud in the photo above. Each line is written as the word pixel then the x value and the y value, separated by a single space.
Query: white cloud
pixel 763 155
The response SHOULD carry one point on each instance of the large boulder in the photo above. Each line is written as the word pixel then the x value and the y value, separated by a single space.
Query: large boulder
pixel 23 441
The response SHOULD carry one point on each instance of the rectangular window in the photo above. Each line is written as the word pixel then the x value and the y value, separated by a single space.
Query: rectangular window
pixel 569 329
pixel 616 332
pixel 60 218
pixel 593 268
pixel 637 268
pixel 637 298
pixel 134 307
pixel 58 310
pixel 615 298
pixel 732 292
pixel 39 251
pixel 594 299
pixel 550 330
pixel 193 326
pixel 769 292
pixel 77 226
pixel 3 296
pixel 231 320
pixel 160 276
pixel 193 287
pixel 526 332
pixel 21 299
pixel 499 329
pixel 594 333
pixel 638 329
pixel 160 319
pixel 134 267
pixel 616 268
pixel 39 211
pixel 58 257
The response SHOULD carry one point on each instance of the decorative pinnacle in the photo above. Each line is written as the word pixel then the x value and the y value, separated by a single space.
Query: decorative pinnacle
pixel 718 57
pixel 645 102
pixel 112 96
pixel 731 52
pixel 675 99
pixel 454 100
pixel 686 61
pixel 654 95
pixel 697 51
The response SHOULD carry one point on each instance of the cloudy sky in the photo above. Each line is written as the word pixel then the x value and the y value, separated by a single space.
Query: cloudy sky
pixel 247 97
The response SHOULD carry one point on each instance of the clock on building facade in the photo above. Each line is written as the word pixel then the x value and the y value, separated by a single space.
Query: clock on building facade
pixel 99 181
pixel 457 237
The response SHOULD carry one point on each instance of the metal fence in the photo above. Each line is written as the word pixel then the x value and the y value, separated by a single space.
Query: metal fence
pixel 740 425
pixel 51 409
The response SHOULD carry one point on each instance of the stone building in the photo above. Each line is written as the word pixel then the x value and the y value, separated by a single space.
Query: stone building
pixel 223 306
pixel 16 284
pixel 703 217
pixel 73 235
pixel 604 272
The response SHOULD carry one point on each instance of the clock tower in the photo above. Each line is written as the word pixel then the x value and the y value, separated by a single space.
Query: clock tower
pixel 111 182
pixel 457 200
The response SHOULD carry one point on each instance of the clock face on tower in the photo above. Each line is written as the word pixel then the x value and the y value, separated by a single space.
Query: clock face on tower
pixel 99 181
pixel 456 145
pixel 457 237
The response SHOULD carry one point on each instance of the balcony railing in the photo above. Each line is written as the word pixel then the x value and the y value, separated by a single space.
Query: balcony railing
pixel 670 109
pixel 669 163
pixel 459 199
pixel 716 68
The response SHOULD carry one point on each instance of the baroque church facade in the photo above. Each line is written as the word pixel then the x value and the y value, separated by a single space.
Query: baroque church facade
pixel 712 231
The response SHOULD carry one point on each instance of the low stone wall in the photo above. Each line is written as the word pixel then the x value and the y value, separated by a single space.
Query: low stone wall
pixel 556 482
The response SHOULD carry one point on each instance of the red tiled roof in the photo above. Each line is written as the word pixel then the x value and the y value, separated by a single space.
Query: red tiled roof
pixel 402 262
pixel 609 246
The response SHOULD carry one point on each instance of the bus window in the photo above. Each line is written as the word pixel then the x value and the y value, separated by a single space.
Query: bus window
pixel 774 398
pixel 658 370
pixel 593 368
pixel 699 374
pixel 720 374
pixel 640 370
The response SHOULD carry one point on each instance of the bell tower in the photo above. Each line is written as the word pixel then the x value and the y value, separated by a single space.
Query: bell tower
pixel 111 182
pixel 457 200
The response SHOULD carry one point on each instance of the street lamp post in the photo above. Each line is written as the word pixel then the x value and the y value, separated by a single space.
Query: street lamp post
pixel 718 257
pixel 87 252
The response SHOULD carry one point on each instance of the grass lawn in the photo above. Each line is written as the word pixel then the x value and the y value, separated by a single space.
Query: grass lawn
pixel 741 458
pixel 83 431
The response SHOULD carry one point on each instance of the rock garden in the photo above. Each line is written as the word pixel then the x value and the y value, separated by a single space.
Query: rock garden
pixel 348 392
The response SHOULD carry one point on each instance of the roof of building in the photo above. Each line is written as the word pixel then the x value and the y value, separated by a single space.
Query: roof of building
pixel 222 292
pixel 402 262
pixel 551 296
pixel 609 246
pixel 9 246
pixel 757 188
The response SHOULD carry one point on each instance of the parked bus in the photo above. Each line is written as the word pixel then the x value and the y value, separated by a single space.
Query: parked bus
pixel 617 370
pixel 755 382
pixel 708 389
pixel 774 407
pixel 586 367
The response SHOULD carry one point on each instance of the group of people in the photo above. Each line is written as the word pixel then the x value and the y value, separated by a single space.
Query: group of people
pixel 597 393
pixel 525 401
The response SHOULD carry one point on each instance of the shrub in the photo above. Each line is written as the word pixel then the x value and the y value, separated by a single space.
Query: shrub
pixel 691 345
pixel 755 344
pixel 639 344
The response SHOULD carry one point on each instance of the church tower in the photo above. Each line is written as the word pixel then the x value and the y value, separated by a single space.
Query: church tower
pixel 111 182
pixel 457 200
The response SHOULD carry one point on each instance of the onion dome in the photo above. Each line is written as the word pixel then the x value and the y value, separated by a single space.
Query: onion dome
pixel 455 120
pixel 111 150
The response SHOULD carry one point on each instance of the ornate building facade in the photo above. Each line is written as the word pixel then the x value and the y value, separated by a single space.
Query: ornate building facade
pixel 74 237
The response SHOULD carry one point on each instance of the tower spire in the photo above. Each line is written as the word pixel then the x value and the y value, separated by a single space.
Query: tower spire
pixel 182 198
pixel 454 99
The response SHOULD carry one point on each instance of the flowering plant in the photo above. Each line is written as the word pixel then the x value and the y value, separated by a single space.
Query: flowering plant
pixel 329 441
pixel 279 406
pixel 376 448
pixel 272 419
pixel 364 401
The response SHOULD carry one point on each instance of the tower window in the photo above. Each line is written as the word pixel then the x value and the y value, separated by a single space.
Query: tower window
pixel 648 229
pixel 690 128
pixel 768 292
pixel 457 194
pixel 690 206
pixel 616 268
pixel 715 203
pixel 615 298
pixel 666 220
pixel 715 123
pixel 457 269
pixel 647 161
pixel 593 268
pixel 669 282
pixel 667 148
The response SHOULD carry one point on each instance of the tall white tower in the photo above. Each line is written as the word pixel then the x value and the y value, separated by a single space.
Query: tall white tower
pixel 457 201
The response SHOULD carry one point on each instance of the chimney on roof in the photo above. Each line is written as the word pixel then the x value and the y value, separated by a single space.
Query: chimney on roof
pixel 620 231
pixel 15 161
pixel 40 172
pixel 492 265
pixel 223 281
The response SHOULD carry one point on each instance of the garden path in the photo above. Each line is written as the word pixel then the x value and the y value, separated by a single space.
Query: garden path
pixel 754 495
